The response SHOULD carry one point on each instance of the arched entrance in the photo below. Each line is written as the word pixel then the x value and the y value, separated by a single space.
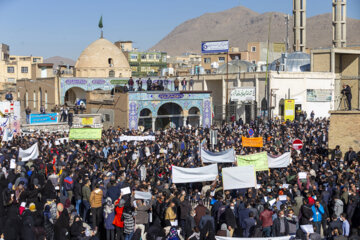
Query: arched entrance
pixel 169 115
pixel 73 94
pixel 194 117
pixel 145 118
pixel 281 107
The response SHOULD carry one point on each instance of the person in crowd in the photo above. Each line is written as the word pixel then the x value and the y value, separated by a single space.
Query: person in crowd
pixel 53 194
pixel 176 84
pixel 27 112
pixel 183 84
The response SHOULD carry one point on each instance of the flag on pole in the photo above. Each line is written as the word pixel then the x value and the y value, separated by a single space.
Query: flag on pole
pixel 100 23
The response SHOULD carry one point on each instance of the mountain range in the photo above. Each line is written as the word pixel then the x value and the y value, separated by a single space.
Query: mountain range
pixel 241 25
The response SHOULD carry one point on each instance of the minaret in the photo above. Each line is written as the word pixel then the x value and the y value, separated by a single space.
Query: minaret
pixel 299 12
pixel 339 23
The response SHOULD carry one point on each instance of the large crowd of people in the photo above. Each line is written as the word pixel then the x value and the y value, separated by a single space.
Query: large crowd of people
pixel 74 190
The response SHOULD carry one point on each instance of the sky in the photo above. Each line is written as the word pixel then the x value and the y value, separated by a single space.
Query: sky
pixel 64 28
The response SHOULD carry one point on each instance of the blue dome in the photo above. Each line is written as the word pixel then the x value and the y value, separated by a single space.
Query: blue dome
pixel 292 62
pixel 236 66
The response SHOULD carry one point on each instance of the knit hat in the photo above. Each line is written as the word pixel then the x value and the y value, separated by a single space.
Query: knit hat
pixel 32 207
pixel 60 207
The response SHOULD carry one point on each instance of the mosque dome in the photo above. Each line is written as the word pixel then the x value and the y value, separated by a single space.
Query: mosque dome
pixel 236 66
pixel 293 62
pixel 102 59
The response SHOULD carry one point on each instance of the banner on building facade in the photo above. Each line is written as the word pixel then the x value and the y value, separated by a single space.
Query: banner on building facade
pixel 239 177
pixel 136 138
pixel 189 175
pixel 215 46
pixel 289 109
pixel 85 133
pixel 279 162
pixel 258 160
pixel 43 118
pixel 319 95
pixel 252 142
pixel 29 154
pixel 227 156
pixel 244 94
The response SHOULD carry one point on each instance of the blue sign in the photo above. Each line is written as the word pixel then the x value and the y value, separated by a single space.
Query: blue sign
pixel 43 118
pixel 215 46
pixel 251 132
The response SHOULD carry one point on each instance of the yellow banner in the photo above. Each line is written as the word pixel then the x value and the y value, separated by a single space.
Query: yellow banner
pixel 85 133
pixel 289 109
pixel 258 160
pixel 87 121
pixel 252 142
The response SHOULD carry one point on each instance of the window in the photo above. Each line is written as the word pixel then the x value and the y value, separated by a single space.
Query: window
pixel 10 70
pixel 253 49
pixel 133 56
pixel 151 56
pixel 221 59
pixel 18 96
pixel 207 60
pixel 143 56
pixel 46 100
pixel 164 59
pixel 111 63
pixel 111 73
pixel 36 60
pixel 24 69
pixel 107 117
pixel 207 71
pixel 11 80
pixel 34 97
pixel 158 56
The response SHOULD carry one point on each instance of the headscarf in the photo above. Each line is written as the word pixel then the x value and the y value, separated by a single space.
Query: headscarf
pixel 173 234
pixel 109 207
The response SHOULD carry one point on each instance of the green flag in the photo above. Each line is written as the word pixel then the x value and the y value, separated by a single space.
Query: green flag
pixel 100 23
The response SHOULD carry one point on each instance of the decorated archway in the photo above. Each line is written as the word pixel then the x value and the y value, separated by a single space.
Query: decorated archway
pixel 169 115
pixel 73 94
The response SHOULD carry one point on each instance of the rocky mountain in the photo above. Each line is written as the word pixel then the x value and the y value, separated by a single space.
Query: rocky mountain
pixel 57 60
pixel 241 25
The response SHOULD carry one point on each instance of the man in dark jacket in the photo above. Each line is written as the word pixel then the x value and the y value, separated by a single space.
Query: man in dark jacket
pixel 306 212
pixel 230 218
pixel 249 223
pixel 281 225
pixel 78 194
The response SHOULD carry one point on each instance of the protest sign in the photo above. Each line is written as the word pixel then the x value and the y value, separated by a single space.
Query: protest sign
pixel 258 160
pixel 252 142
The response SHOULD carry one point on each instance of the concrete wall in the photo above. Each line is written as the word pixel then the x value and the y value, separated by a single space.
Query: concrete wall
pixel 321 62
pixel 344 130
pixel 48 88
pixel 298 83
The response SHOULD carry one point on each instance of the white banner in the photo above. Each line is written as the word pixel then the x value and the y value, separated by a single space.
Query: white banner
pixel 136 138
pixel 7 135
pixel 227 156
pixel 142 195
pixel 61 141
pixel 268 238
pixel 188 175
pixel 239 177
pixel 245 94
pixel 30 153
pixel 279 162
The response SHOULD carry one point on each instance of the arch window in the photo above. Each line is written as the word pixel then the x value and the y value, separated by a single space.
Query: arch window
pixel 111 73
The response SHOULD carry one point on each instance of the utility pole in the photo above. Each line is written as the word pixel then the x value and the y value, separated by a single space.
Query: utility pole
pixel 287 31
pixel 267 80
